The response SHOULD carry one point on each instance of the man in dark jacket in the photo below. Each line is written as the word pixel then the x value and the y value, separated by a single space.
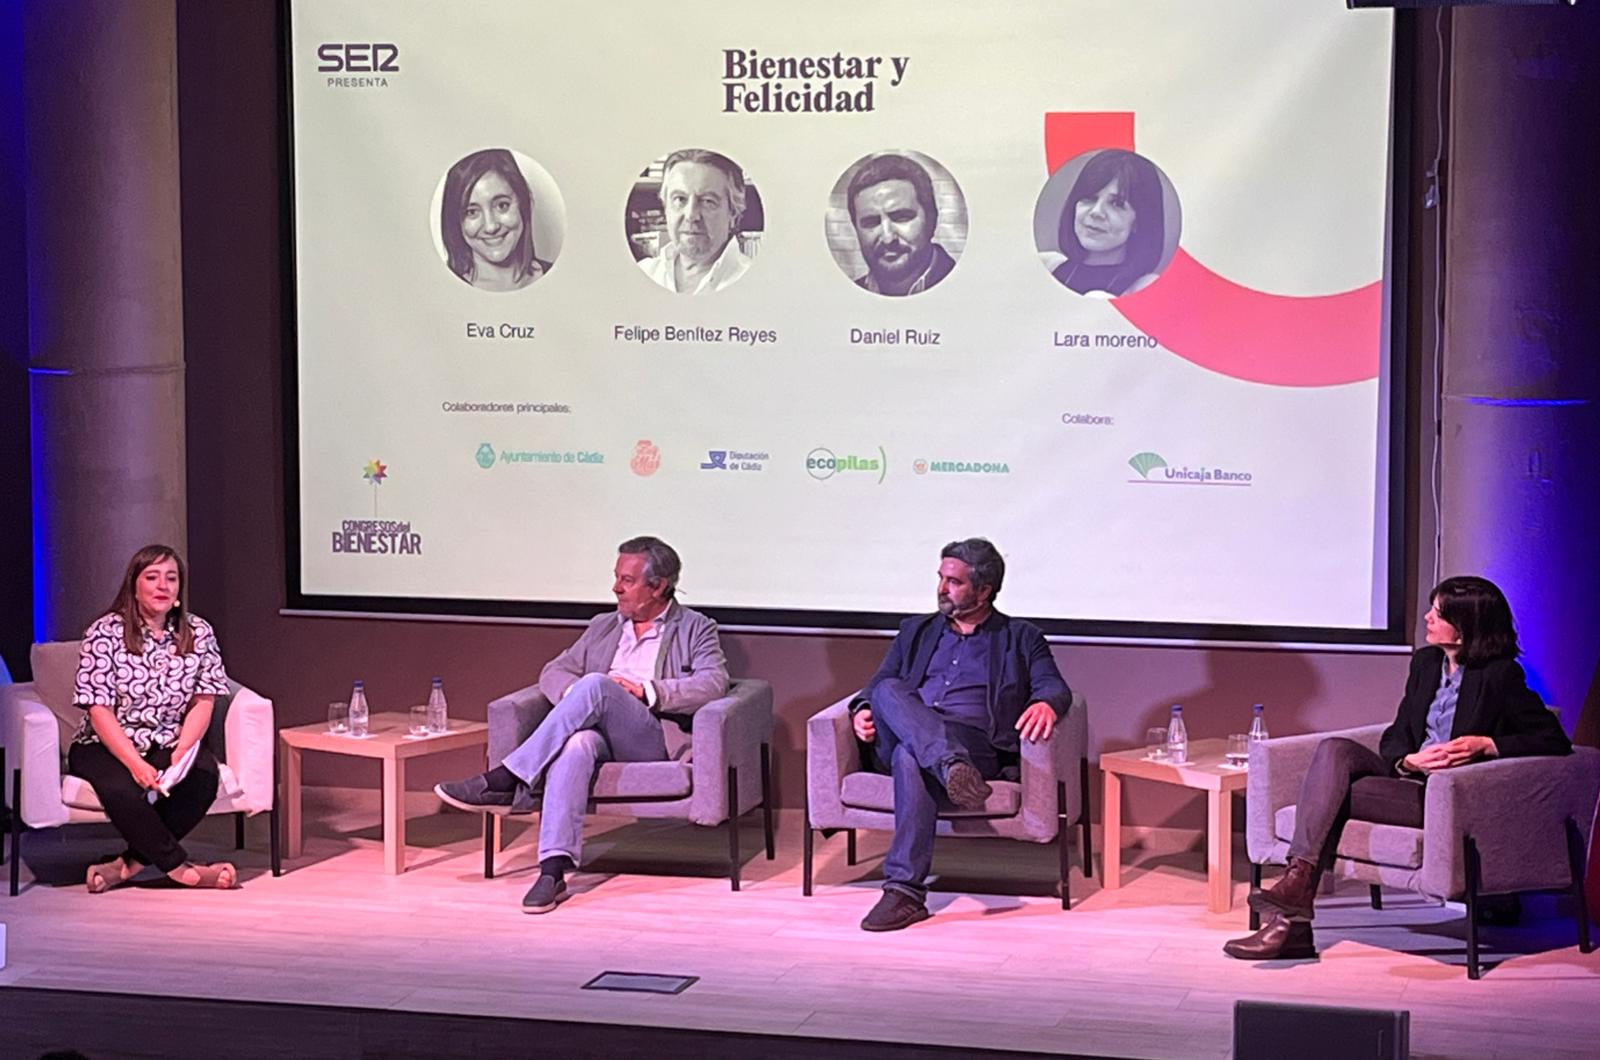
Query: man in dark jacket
pixel 946 711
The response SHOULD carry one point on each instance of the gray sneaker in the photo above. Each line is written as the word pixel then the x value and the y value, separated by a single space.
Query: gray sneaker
pixel 472 794
pixel 546 893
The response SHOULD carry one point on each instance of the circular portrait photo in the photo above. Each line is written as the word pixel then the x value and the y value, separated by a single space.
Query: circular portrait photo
pixel 694 221
pixel 897 223
pixel 1107 223
pixel 500 220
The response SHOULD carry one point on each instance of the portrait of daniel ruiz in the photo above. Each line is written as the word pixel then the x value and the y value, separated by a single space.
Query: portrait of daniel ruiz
pixel 895 213
pixel 696 218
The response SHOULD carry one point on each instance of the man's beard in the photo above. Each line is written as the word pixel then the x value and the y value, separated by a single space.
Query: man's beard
pixel 911 264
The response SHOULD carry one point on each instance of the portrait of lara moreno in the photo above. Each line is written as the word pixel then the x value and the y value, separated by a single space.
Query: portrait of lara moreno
pixel 1107 223
pixel 896 223
pixel 694 221
pixel 498 220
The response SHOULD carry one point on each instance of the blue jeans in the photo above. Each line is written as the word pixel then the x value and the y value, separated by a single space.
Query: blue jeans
pixel 596 721
pixel 916 745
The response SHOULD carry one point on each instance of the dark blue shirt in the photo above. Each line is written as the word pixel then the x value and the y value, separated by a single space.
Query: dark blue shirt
pixel 957 684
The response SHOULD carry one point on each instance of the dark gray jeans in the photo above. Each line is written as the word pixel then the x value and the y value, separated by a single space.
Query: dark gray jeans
pixel 1347 780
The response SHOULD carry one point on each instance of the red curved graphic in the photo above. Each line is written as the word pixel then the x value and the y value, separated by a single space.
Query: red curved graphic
pixel 1283 340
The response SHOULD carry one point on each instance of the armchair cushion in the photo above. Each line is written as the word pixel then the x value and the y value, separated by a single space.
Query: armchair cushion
pixel 643 780
pixel 1379 844
pixel 55 673
pixel 875 791
pixel 79 794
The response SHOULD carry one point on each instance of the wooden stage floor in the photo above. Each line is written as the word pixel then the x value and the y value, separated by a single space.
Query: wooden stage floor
pixel 1133 973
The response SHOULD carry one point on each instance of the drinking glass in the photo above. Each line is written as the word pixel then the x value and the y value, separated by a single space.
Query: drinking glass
pixel 1238 753
pixel 1155 743
pixel 339 717
pixel 419 720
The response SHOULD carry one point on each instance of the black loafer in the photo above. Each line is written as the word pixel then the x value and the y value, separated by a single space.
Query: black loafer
pixel 546 893
pixel 893 912
pixel 472 794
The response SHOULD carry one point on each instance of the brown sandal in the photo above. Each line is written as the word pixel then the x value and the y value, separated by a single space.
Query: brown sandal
pixel 106 875
pixel 221 876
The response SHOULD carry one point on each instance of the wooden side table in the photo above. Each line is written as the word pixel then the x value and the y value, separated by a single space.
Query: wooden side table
pixel 1203 771
pixel 386 740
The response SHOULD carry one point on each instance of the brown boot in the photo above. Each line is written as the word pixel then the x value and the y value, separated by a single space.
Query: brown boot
pixel 1293 894
pixel 1281 939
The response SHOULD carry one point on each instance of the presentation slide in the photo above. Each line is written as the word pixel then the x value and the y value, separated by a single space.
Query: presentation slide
pixel 809 290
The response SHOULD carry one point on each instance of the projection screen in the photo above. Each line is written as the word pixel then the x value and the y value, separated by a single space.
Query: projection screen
pixel 809 290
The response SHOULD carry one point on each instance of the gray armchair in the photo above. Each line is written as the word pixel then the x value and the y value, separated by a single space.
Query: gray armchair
pixel 714 774
pixel 1048 794
pixel 1495 827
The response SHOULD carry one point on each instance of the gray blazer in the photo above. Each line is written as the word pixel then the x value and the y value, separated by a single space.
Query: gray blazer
pixel 690 668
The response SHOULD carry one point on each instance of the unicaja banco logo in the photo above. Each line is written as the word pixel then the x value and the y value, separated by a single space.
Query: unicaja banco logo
pixel 1144 463
pixel 824 464
pixel 1152 468
pixel 646 458
pixel 485 456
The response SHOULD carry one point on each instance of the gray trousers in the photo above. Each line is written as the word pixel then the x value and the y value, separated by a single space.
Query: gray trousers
pixel 596 721
pixel 1347 780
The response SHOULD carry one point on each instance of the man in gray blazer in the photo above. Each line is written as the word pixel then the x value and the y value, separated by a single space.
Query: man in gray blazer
pixel 651 659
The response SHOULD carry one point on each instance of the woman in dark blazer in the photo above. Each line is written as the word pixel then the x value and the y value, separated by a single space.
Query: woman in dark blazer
pixel 1466 699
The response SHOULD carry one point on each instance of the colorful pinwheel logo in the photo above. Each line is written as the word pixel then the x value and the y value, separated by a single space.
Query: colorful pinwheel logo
pixel 375 472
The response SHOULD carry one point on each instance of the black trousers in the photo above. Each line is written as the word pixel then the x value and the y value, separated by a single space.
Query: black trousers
pixel 1346 780
pixel 153 830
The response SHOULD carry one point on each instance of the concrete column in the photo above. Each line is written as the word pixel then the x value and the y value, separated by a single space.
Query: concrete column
pixel 105 296
pixel 1521 501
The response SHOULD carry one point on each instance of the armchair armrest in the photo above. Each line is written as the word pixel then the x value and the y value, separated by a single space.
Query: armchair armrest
pixel 1277 767
pixel 729 732
pixel 832 752
pixel 1048 762
pixel 32 738
pixel 512 719
pixel 250 736
pixel 1514 809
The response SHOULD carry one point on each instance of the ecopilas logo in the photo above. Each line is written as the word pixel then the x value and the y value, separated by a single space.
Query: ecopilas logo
pixel 823 464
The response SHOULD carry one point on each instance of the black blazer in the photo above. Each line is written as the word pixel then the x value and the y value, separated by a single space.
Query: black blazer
pixel 1494 701
pixel 1021 669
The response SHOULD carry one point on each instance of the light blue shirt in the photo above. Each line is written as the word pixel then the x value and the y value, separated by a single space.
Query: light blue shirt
pixel 1442 711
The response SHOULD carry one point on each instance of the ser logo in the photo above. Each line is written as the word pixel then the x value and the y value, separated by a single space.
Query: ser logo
pixel 333 58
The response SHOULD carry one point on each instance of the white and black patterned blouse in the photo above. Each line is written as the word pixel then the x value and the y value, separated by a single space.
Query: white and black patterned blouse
pixel 150 691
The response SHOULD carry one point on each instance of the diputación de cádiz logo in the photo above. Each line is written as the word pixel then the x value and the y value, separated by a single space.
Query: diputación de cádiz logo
pixel 735 460
pixel 1153 469
pixel 376 536
pixel 823 464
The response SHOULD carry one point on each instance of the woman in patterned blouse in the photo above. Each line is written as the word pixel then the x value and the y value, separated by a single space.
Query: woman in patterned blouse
pixel 148 674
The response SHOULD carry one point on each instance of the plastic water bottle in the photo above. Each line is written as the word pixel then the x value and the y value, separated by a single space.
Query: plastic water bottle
pixel 1258 723
pixel 438 709
pixel 1177 738
pixel 358 711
